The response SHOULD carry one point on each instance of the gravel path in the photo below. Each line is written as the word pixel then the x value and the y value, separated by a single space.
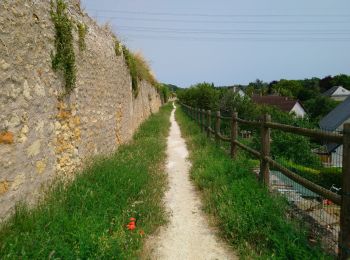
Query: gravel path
pixel 188 235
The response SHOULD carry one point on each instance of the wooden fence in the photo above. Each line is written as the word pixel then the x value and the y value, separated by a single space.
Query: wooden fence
pixel 203 118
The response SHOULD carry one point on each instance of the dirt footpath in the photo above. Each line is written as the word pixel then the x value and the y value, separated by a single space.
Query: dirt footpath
pixel 188 235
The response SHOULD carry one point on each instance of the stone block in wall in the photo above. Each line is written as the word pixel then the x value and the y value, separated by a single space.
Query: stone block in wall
pixel 4 187
pixel 6 138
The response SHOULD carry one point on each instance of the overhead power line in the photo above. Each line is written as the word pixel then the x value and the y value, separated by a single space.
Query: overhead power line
pixel 222 21
pixel 230 32
pixel 236 30
pixel 215 15
pixel 223 39
pixel 171 32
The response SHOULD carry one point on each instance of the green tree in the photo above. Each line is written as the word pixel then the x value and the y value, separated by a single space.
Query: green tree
pixel 202 95
pixel 319 107
pixel 232 101
pixel 164 92
pixel 311 89
pixel 326 83
pixel 257 87
pixel 288 88
pixel 341 80
pixel 284 145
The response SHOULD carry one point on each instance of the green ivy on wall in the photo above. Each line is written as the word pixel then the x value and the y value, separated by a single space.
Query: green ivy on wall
pixel 64 58
pixel 82 31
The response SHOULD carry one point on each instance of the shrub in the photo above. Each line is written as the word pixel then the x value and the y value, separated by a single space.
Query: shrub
pixel 324 177
pixel 202 95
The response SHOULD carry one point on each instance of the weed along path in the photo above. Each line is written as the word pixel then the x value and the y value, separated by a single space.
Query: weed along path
pixel 187 235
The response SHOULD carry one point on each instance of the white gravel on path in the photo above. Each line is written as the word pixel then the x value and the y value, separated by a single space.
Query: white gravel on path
pixel 188 235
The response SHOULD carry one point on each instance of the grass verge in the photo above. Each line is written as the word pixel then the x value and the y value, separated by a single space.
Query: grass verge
pixel 253 220
pixel 87 218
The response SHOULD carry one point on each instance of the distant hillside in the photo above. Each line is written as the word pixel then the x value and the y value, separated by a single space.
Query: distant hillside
pixel 171 87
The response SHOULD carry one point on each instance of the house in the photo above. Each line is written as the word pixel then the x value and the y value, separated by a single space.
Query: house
pixel 238 90
pixel 334 122
pixel 337 93
pixel 284 103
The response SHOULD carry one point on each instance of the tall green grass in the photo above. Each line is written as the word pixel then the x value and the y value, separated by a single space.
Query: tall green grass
pixel 87 219
pixel 252 219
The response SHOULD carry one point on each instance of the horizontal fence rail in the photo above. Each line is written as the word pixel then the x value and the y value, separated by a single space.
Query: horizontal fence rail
pixel 204 118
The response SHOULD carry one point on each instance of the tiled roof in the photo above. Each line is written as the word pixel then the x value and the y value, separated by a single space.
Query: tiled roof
pixel 283 103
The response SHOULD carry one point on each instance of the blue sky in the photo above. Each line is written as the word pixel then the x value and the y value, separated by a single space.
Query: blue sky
pixel 232 42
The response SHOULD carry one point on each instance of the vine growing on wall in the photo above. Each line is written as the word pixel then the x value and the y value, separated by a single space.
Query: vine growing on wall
pixel 117 49
pixel 64 58
pixel 132 66
pixel 82 31
pixel 139 70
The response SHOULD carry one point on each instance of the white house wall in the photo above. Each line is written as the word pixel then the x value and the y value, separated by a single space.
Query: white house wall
pixel 340 94
pixel 241 93
pixel 337 157
pixel 298 110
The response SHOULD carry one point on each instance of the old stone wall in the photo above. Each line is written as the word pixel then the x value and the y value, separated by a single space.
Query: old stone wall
pixel 42 135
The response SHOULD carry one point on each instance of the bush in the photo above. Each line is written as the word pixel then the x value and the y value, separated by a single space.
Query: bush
pixel 164 92
pixel 320 106
pixel 322 176
pixel 202 95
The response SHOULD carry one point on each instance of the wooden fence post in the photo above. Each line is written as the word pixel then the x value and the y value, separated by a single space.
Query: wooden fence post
pixel 202 120
pixel 265 151
pixel 344 236
pixel 198 116
pixel 217 126
pixel 208 123
pixel 234 134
